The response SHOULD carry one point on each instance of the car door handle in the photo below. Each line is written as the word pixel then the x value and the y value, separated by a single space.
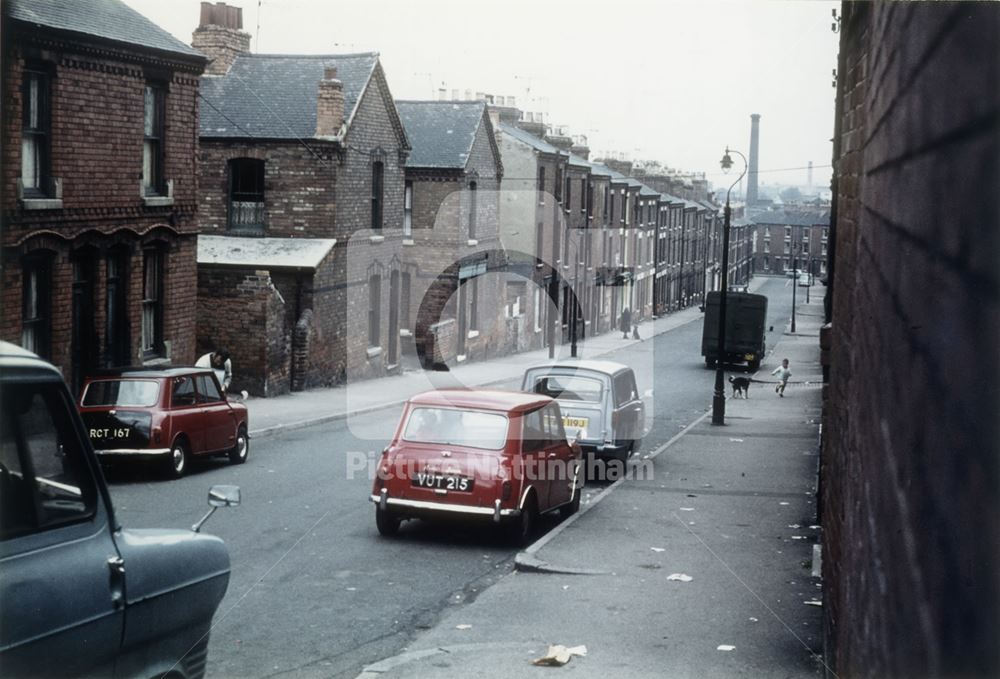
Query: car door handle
pixel 116 565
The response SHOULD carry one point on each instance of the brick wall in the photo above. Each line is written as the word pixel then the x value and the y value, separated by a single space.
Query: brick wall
pixel 910 465
pixel 299 187
pixel 96 152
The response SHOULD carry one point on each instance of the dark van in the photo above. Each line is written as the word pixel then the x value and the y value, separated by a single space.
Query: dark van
pixel 746 317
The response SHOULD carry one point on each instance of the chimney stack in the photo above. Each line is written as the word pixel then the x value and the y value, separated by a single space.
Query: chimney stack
pixel 752 173
pixel 220 36
pixel 329 104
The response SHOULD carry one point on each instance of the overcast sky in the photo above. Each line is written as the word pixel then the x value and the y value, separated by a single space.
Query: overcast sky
pixel 669 81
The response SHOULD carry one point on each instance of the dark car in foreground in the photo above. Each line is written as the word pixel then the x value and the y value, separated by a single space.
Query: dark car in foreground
pixel 80 595
pixel 165 416
pixel 499 456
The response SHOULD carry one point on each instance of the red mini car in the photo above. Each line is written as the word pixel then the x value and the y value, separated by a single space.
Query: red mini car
pixel 163 415
pixel 496 455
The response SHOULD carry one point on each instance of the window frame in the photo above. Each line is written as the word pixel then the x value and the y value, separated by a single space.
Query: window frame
pixel 154 136
pixel 41 131
pixel 408 208
pixel 378 194
pixel 152 301
pixel 473 208
pixel 237 168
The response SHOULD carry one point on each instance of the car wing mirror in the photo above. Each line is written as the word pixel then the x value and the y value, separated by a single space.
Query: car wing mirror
pixel 220 495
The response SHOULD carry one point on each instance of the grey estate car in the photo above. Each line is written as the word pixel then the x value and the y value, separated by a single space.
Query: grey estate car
pixel 79 594
pixel 600 403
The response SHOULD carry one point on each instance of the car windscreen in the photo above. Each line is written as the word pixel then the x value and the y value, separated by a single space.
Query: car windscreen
pixel 450 427
pixel 122 393
pixel 569 388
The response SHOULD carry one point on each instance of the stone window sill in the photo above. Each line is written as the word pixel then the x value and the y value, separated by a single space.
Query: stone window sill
pixel 472 242
pixel 404 332
pixel 376 239
pixel 156 361
pixel 42 203
pixel 408 241
pixel 373 352
pixel 157 201
pixel 460 358
pixel 472 334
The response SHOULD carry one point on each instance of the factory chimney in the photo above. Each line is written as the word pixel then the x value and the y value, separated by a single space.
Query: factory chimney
pixel 754 159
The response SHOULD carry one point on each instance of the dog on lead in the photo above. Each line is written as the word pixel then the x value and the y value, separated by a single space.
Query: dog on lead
pixel 741 385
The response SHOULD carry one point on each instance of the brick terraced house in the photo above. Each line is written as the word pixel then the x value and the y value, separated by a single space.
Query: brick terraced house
pixel 453 259
pixel 100 215
pixel 305 147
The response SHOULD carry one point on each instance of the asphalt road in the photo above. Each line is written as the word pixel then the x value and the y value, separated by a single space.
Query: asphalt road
pixel 315 591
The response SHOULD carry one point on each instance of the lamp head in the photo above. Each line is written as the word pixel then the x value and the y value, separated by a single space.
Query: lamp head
pixel 727 161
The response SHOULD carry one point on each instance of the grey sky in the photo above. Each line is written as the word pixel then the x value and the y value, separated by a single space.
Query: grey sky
pixel 670 81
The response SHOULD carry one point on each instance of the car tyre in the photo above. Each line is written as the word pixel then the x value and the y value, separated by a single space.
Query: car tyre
pixel 241 449
pixel 177 461
pixel 520 530
pixel 754 366
pixel 387 524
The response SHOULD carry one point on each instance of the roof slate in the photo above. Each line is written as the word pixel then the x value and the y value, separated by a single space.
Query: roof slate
pixel 274 95
pixel 108 19
pixel 530 139
pixel 441 132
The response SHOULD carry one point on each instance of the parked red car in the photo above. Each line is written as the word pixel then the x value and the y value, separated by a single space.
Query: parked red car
pixel 494 455
pixel 165 416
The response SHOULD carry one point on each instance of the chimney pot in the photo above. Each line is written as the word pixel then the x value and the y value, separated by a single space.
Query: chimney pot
pixel 220 37
pixel 330 73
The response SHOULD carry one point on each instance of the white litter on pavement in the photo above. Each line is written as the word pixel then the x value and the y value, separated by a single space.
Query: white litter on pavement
pixel 753 620
pixel 687 509
pixel 813 603
pixel 783 504
pixel 463 626
pixel 794 525
pixel 658 549
pixel 679 577
pixel 558 655
pixel 798 537
pixel 352 589
pixel 725 647
pixel 736 440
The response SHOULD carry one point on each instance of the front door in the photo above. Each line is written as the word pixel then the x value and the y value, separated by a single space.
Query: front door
pixel 84 336
pixel 116 311
pixel 63 583
pixel 393 357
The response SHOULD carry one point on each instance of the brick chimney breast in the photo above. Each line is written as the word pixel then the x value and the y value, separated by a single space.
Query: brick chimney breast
pixel 220 36
pixel 329 104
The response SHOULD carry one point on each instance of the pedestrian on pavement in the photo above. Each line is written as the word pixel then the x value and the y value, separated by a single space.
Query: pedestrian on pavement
pixel 626 323
pixel 783 374
pixel 218 360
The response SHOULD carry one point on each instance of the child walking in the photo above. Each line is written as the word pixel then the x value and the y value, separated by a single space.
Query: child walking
pixel 783 374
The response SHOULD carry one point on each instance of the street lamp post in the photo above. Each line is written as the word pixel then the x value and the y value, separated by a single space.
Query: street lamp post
pixel 795 282
pixel 719 397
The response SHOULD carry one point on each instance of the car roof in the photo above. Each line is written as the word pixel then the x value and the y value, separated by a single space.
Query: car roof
pixel 606 367
pixel 14 356
pixel 483 399
pixel 147 373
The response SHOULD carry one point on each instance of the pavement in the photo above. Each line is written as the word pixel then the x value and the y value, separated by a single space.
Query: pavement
pixel 698 564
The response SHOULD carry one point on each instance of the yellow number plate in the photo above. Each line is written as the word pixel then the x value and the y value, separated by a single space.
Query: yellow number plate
pixel 577 422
